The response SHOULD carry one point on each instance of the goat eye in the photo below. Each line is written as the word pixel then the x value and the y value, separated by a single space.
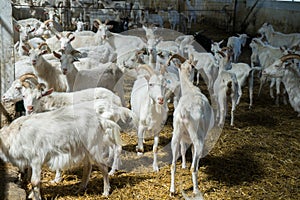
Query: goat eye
pixel 151 84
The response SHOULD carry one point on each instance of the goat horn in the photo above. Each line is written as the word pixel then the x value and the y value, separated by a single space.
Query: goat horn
pixel 28 43
pixel 41 86
pixel 222 53
pixel 68 34
pixel 42 44
pixel 179 57
pixel 226 48
pixel 25 84
pixel 98 21
pixel 32 81
pixel 26 76
pixel 290 56
pixel 147 68
pixel 48 21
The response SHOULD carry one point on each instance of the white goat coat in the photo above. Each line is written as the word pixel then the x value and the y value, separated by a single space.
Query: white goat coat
pixel 60 139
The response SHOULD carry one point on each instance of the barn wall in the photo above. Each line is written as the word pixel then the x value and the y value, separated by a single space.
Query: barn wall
pixel 6 45
pixel 249 15
pixel 6 49
pixel 284 16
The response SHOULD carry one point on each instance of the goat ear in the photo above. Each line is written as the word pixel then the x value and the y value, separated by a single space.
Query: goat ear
pixel 163 69
pixel 72 38
pixel 283 48
pixel 43 52
pixel 194 63
pixel 147 77
pixel 48 92
pixel 25 49
pixel 32 30
pixel 75 52
pixel 76 59
pixel 96 25
pixel 110 26
pixel 17 28
pixel 285 65
pixel 57 55
pixel 191 58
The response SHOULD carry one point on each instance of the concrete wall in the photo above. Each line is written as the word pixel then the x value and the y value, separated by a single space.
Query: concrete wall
pixel 284 16
pixel 249 15
pixel 6 46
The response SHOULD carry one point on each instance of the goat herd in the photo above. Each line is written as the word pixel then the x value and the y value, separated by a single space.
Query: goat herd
pixel 72 85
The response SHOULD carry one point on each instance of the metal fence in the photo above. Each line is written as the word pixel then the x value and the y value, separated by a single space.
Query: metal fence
pixel 207 11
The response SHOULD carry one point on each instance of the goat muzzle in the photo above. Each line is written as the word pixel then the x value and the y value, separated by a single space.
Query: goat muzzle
pixel 29 109
pixel 160 100
pixel 65 71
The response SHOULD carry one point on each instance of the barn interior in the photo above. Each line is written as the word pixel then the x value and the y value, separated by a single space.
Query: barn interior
pixel 256 158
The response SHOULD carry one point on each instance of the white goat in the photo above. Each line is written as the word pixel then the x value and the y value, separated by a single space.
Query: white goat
pixel 289 76
pixel 191 13
pixel 243 72
pixel 153 19
pixel 40 100
pixel 278 39
pixel 236 43
pixel 226 85
pixel 264 55
pixel 205 62
pixel 216 46
pixel 120 43
pixel 43 31
pixel 14 93
pixel 147 102
pixel 183 41
pixel 45 71
pixel 174 18
pixel 107 75
pixel 193 119
pixel 73 136
pixel 136 12
pixel 24 36
pixel 80 26
pixel 87 56
pixel 37 100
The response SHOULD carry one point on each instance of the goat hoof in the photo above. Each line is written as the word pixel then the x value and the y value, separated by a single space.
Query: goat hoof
pixel 111 173
pixel 155 169
pixel 58 180
pixel 140 153
pixel 172 194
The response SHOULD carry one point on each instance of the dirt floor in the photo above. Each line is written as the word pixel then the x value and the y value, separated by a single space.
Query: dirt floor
pixel 258 158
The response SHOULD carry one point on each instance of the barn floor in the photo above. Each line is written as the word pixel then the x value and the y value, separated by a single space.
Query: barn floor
pixel 258 158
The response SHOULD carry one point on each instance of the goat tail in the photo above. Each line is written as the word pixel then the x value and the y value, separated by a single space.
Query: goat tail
pixel 127 114
pixel 112 129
